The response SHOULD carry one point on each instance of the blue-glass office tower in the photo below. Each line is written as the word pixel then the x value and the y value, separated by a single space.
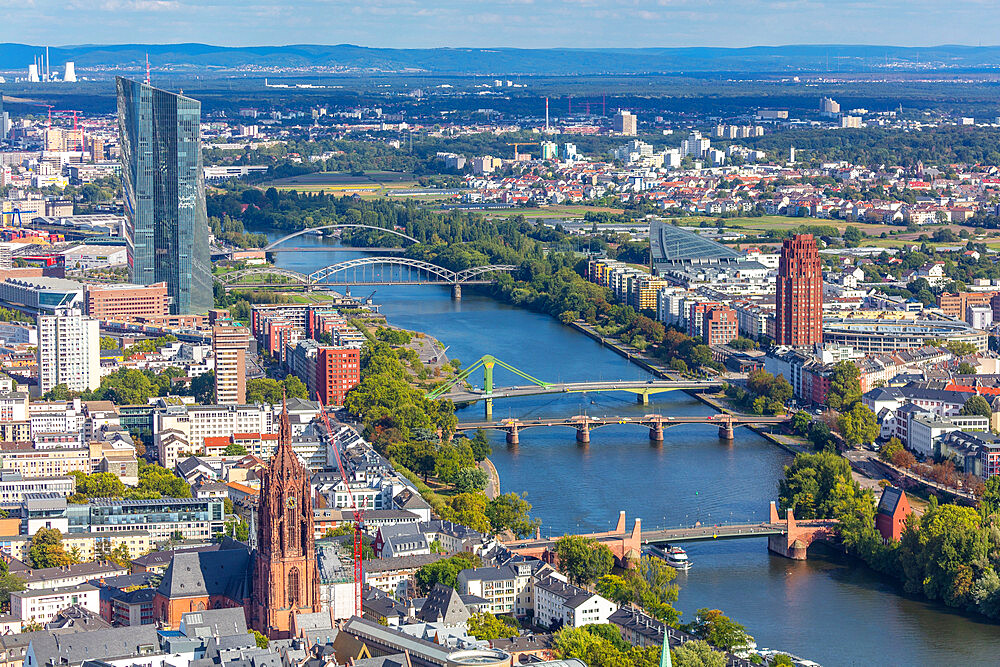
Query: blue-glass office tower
pixel 166 225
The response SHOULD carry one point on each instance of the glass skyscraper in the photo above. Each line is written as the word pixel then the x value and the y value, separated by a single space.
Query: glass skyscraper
pixel 166 225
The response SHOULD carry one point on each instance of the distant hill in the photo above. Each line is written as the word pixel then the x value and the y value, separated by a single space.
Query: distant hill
pixel 772 59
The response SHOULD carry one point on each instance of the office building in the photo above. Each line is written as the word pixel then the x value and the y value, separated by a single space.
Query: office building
pixel 625 123
pixel 166 226
pixel 69 351
pixel 230 341
pixel 850 121
pixel 125 302
pixel 799 316
pixel 828 106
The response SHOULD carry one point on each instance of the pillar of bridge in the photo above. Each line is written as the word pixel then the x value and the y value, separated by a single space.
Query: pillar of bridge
pixel 642 398
pixel 489 409
pixel 656 431
pixel 726 432
pixel 512 437
pixel 583 433
pixel 456 292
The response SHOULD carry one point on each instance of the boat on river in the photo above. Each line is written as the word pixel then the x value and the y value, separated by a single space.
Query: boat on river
pixel 675 557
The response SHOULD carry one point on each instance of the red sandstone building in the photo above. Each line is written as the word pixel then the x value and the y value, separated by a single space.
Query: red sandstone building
pixel 799 315
pixel 719 326
pixel 126 303
pixel 285 575
pixel 890 518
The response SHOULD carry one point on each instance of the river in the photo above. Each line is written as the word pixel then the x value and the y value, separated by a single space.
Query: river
pixel 828 609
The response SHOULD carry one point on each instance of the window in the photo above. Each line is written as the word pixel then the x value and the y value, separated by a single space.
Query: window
pixel 293 587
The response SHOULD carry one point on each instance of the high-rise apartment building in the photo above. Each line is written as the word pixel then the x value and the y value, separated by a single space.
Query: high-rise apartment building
pixel 799 316
pixel 719 326
pixel 828 105
pixel 230 341
pixel 625 123
pixel 166 226
pixel 69 351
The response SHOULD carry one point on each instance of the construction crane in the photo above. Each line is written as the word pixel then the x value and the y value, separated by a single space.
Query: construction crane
pixel 12 213
pixel 521 143
pixel 359 517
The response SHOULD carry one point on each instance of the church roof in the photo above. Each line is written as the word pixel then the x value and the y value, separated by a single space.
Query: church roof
pixel 199 573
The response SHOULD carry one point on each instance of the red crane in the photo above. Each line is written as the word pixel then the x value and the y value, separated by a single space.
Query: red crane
pixel 359 517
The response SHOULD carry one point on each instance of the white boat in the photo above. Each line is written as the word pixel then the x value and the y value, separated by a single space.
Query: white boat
pixel 677 558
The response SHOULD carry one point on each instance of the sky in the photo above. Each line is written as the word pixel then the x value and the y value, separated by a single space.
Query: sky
pixel 503 23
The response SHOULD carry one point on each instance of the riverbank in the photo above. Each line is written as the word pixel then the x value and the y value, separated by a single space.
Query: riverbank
pixel 623 350
pixel 493 483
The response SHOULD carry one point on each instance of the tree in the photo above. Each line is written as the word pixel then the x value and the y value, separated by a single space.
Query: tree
pixel 614 588
pixel 234 449
pixel 845 387
pixel 445 571
pixel 976 405
pixel 469 509
pixel 697 653
pixel 203 387
pixel 46 549
pixel 470 479
pixel 509 511
pixel 719 630
pixel 9 583
pixel 108 343
pixel 815 485
pixel 583 559
pixel 480 444
pixel 261 640
pixel 295 388
pixel 486 626
pixel 965 368
pixel 859 425
pixel 60 392
pixel 893 447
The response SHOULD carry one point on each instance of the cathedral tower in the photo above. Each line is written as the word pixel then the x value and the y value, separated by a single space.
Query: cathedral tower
pixel 285 577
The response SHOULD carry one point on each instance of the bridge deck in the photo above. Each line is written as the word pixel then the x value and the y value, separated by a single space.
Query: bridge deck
pixel 645 420
pixel 637 386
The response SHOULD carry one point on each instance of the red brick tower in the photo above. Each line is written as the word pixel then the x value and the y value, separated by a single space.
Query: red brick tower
pixel 799 315
pixel 285 577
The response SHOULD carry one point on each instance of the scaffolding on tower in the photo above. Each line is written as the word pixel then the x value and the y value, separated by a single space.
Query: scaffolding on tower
pixel 358 512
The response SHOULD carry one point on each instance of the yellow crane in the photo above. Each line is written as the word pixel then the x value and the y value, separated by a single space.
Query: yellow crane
pixel 521 143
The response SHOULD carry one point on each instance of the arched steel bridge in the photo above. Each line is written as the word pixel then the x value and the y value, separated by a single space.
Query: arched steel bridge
pixel 309 230
pixel 368 271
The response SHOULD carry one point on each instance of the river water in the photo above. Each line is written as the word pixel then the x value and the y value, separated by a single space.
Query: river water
pixel 828 609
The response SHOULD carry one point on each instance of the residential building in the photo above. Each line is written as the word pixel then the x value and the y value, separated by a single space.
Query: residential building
pixel 625 123
pixel 397 576
pixel 230 341
pixel 560 603
pixel 69 351
pixel 166 224
pixel 719 326
pixel 799 315
pixel 89 545
pixel 41 605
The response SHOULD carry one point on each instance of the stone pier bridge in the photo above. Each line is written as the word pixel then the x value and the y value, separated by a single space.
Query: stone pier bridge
pixel 787 537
